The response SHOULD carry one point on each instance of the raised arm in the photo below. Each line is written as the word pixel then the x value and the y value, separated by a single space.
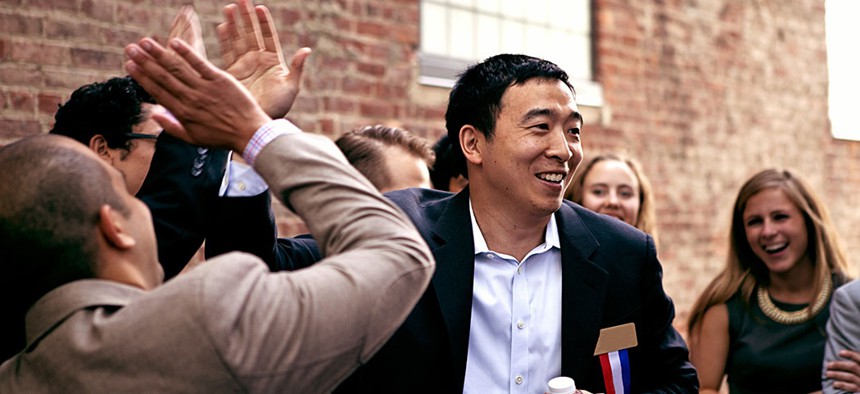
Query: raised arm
pixel 315 325
pixel 181 187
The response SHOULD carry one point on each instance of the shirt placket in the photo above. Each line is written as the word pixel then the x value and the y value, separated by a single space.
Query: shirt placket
pixel 519 332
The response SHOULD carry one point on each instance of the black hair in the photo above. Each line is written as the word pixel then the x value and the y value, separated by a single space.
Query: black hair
pixel 477 95
pixel 445 167
pixel 110 108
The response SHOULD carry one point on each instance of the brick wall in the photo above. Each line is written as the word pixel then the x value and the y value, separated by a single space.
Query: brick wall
pixel 704 93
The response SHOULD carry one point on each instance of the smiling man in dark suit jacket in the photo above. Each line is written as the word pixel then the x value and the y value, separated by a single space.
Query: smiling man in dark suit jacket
pixel 524 282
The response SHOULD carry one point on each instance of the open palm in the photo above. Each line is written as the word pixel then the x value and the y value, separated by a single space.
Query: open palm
pixel 252 54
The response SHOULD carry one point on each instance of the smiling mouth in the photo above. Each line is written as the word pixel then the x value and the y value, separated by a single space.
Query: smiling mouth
pixel 553 177
pixel 773 249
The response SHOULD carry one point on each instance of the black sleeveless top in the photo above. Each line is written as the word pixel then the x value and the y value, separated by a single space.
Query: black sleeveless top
pixel 769 357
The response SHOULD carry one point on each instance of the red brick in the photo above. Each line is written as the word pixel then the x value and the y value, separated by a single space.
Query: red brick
pixel 48 103
pixel 103 10
pixel 22 101
pixel 375 70
pixel 372 29
pixel 118 38
pixel 39 53
pixel 20 75
pixel 20 24
pixel 326 126
pixel 338 105
pixel 57 79
pixel 96 59
pixel 71 31
pixel 404 34
pixel 305 105
pixel 286 16
pixel 344 24
pixel 12 128
pixel 53 5
pixel 357 86
pixel 376 109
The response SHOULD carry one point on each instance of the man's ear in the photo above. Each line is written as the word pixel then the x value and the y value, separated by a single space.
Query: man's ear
pixel 111 227
pixel 470 139
pixel 99 145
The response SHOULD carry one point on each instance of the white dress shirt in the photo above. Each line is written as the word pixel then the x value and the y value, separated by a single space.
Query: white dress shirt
pixel 515 330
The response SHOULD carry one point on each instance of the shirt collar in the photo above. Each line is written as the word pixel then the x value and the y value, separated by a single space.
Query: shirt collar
pixel 551 239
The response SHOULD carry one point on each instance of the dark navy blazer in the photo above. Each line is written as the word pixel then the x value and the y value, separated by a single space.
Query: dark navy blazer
pixel 610 276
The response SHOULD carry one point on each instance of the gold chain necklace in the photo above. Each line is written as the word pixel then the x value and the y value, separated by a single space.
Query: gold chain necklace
pixel 791 318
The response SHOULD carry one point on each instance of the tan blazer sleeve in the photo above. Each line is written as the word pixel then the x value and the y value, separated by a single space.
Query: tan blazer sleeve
pixel 305 331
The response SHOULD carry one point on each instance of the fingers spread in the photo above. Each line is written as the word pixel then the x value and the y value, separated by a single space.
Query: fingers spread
pixel 225 42
pixel 269 34
pixel 231 23
pixel 163 74
pixel 250 29
pixel 200 65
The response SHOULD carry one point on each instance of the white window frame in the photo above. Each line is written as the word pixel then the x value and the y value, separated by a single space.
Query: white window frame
pixel 439 66
pixel 843 64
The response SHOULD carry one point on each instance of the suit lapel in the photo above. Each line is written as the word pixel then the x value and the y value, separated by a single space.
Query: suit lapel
pixel 584 286
pixel 453 248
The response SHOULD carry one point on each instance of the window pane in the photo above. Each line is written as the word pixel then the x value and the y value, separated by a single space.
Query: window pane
pixel 489 35
pixel 841 26
pixel 469 4
pixel 513 37
pixel 514 9
pixel 576 58
pixel 458 32
pixel 488 6
pixel 462 38
pixel 539 42
pixel 538 11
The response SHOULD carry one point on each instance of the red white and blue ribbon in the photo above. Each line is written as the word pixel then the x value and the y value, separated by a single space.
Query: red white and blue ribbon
pixel 616 372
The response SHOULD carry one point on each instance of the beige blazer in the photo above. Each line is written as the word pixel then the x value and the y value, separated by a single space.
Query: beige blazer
pixel 230 325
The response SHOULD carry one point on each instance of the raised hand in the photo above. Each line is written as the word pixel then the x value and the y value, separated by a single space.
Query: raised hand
pixel 186 27
pixel 252 53
pixel 208 106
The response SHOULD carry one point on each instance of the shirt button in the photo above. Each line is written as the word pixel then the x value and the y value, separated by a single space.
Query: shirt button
pixel 242 186
pixel 521 324
pixel 520 270
pixel 519 379
pixel 490 255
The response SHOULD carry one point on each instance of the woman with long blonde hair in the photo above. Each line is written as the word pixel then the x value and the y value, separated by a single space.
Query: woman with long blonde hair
pixel 615 185
pixel 762 320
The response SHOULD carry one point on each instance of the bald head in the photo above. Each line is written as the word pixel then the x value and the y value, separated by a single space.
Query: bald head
pixel 48 219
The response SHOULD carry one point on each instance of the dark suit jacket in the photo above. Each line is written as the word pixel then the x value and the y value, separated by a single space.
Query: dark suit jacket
pixel 181 191
pixel 611 276
pixel 247 224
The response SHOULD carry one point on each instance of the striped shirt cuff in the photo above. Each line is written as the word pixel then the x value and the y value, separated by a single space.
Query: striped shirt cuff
pixel 266 134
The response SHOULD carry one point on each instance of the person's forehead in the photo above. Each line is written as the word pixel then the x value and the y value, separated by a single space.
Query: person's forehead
pixel 521 97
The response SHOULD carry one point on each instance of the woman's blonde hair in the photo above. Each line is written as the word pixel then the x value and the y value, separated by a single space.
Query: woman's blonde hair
pixel 744 270
pixel 647 219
